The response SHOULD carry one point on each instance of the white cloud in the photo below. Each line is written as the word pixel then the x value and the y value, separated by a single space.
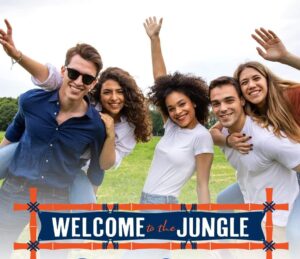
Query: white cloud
pixel 207 38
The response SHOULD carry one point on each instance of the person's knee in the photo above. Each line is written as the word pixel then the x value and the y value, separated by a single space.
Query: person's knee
pixel 221 198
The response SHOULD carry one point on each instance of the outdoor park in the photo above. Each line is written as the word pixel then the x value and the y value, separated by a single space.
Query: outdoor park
pixel 124 184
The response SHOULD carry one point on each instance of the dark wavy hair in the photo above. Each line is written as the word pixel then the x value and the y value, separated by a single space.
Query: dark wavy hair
pixel 135 106
pixel 193 87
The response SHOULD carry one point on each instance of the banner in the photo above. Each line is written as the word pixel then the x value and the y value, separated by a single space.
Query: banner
pixel 121 226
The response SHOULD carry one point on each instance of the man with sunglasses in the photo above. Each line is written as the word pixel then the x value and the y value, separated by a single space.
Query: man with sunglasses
pixel 60 126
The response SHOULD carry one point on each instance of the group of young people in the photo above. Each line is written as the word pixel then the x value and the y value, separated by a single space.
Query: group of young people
pixel 66 140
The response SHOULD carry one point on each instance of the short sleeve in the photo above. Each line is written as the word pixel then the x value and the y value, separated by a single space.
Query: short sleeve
pixel 286 152
pixel 125 142
pixel 203 143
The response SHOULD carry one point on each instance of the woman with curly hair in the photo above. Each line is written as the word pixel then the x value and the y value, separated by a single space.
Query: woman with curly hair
pixel 118 95
pixel 186 146
pixel 122 106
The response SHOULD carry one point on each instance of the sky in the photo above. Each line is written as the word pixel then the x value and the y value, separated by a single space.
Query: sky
pixel 205 38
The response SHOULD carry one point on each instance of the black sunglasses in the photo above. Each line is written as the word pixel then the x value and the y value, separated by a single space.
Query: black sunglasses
pixel 73 74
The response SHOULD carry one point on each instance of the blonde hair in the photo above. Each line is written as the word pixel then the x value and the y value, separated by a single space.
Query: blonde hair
pixel 278 112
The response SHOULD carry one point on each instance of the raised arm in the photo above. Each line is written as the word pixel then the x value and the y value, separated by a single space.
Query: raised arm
pixel 152 27
pixel 36 69
pixel 274 49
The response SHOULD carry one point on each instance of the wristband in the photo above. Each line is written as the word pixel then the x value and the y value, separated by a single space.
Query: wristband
pixel 14 61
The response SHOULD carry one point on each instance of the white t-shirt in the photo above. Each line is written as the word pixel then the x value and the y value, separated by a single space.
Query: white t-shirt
pixel 124 131
pixel 174 160
pixel 269 165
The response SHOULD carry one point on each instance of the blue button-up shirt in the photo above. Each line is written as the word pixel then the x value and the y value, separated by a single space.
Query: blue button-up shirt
pixel 49 153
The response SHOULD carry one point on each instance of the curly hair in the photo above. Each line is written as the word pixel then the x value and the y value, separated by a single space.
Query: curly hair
pixel 278 113
pixel 193 87
pixel 135 107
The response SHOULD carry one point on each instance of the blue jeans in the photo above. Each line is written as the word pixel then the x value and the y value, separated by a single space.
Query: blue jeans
pixel 81 190
pixel 233 194
pixel 147 198
pixel 6 155
pixel 16 190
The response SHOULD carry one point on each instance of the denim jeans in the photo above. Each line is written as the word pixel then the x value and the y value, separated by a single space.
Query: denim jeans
pixel 81 182
pixel 147 198
pixel 16 190
pixel 233 194
pixel 6 155
pixel 81 191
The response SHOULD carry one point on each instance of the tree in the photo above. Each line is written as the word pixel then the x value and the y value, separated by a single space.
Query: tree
pixel 157 123
pixel 212 120
pixel 8 109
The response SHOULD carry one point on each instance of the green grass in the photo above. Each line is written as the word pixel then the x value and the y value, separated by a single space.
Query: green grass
pixel 1 134
pixel 125 184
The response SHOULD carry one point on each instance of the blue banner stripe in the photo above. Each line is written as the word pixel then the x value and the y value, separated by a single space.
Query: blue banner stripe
pixel 180 226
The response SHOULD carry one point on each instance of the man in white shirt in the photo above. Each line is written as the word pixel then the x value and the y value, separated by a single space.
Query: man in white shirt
pixel 273 160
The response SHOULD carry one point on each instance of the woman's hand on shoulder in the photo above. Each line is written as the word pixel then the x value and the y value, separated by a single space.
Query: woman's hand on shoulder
pixel 239 142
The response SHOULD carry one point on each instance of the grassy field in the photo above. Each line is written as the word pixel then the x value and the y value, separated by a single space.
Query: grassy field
pixel 125 184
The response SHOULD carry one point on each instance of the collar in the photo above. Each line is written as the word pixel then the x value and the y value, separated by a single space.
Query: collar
pixel 54 97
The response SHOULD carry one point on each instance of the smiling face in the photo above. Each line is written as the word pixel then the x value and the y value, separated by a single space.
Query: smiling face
pixel 181 110
pixel 254 86
pixel 228 107
pixel 112 98
pixel 75 90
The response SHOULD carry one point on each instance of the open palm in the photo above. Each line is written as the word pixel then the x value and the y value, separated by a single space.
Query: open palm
pixel 274 49
pixel 152 26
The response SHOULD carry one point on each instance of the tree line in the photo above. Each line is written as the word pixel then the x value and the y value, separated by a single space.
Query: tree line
pixel 9 107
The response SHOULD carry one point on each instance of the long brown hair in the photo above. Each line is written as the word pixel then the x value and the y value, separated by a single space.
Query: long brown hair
pixel 278 112
pixel 135 107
